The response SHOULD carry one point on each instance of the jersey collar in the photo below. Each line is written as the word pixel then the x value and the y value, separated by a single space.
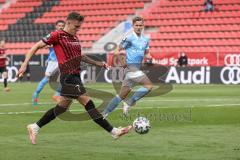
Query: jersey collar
pixel 137 35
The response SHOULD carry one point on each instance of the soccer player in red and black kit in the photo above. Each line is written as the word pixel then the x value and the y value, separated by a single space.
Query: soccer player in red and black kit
pixel 68 51
pixel 3 69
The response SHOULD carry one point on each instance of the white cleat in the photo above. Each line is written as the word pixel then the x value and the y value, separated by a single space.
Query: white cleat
pixel 126 108
pixel 33 131
pixel 118 132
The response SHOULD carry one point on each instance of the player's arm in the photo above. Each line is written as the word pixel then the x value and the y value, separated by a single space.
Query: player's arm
pixel 147 55
pixel 28 56
pixel 121 57
pixel 124 45
pixel 89 60
pixel 33 50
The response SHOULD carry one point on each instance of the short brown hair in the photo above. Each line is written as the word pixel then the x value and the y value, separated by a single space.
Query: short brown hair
pixel 75 16
pixel 135 19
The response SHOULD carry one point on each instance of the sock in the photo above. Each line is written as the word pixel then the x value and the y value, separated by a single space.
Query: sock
pixel 36 126
pixel 40 86
pixel 141 92
pixel 5 82
pixel 97 117
pixel 50 115
pixel 112 104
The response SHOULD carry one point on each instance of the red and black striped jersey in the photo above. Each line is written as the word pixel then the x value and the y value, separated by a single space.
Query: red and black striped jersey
pixel 2 58
pixel 68 50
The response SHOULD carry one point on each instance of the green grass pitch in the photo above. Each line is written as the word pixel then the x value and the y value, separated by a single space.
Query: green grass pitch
pixel 192 122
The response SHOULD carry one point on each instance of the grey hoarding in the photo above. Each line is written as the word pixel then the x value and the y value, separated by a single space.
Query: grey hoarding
pixel 203 75
pixel 193 75
pixel 179 75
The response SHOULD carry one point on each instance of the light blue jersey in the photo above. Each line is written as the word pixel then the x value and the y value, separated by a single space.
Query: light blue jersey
pixel 51 55
pixel 135 48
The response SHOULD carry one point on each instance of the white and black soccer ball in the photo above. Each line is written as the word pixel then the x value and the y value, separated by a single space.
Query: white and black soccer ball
pixel 141 125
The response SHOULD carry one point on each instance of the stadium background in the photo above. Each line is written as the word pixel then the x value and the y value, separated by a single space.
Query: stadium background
pixel 209 104
pixel 208 38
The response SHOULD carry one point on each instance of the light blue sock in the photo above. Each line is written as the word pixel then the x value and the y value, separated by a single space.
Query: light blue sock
pixel 40 86
pixel 140 92
pixel 112 104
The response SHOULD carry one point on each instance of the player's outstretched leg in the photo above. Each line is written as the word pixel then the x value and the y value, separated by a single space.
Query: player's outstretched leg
pixel 98 118
pixel 50 115
pixel 6 88
pixel 111 106
pixel 141 92
pixel 5 82
pixel 125 90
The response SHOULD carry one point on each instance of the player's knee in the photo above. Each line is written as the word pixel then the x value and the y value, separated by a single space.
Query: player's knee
pixel 64 102
pixel 123 96
pixel 124 92
pixel 150 87
pixel 47 74
pixel 58 110
pixel 63 108
pixel 83 99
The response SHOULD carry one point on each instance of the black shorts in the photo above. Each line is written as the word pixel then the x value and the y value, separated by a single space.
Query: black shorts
pixel 3 69
pixel 71 85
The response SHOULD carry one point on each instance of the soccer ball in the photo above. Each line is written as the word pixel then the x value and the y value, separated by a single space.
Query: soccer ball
pixel 141 125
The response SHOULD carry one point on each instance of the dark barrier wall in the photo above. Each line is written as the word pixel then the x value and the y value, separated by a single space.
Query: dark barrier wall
pixel 179 75
pixel 187 75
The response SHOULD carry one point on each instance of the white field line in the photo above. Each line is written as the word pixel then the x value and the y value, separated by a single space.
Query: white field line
pixel 142 101
pixel 23 104
pixel 219 105
pixel 134 108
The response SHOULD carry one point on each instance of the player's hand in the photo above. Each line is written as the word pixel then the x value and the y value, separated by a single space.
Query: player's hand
pixel 22 70
pixel 105 65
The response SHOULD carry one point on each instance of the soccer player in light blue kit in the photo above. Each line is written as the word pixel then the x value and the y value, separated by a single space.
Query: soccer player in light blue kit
pixel 136 46
pixel 52 67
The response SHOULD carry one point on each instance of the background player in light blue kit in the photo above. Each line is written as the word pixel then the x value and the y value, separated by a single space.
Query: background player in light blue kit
pixel 52 67
pixel 136 46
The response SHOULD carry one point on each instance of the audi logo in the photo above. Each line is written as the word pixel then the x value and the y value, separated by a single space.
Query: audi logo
pixel 230 75
pixel 232 60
